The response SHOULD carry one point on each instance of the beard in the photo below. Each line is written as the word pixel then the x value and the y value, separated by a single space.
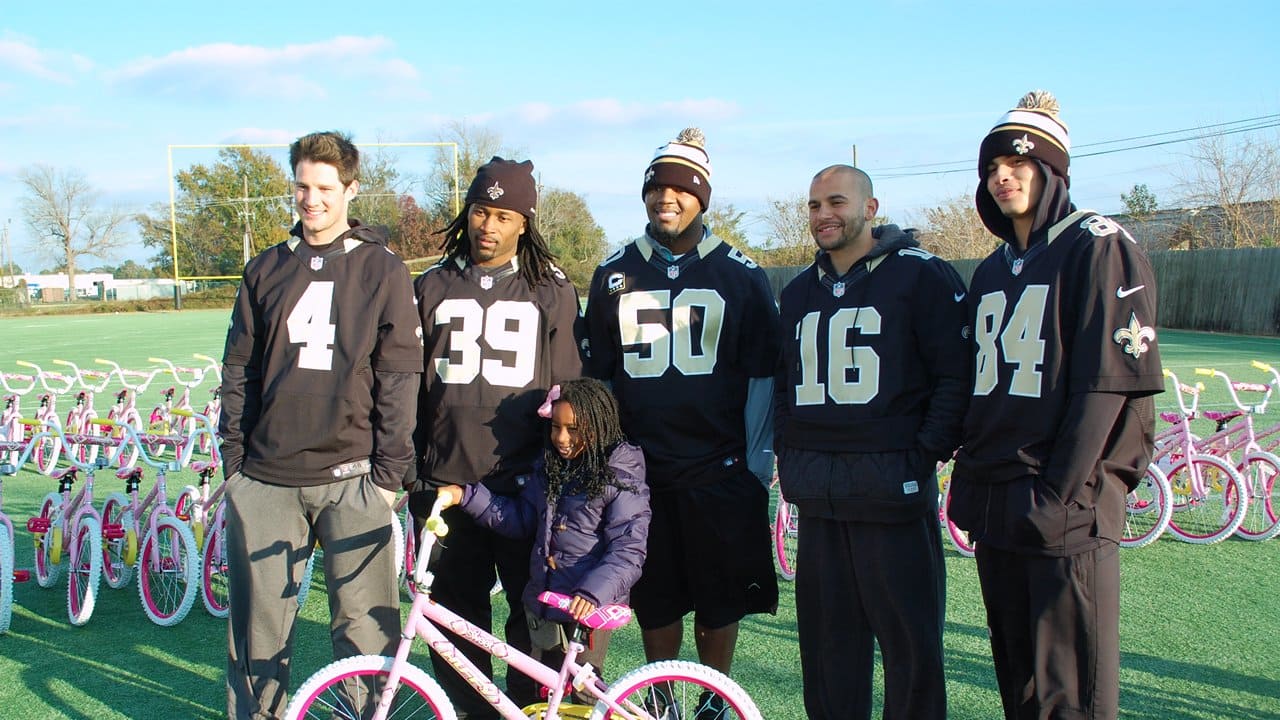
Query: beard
pixel 848 235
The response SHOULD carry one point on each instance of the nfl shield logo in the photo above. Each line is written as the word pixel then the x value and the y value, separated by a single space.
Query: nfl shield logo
pixel 486 282
pixel 673 271
pixel 317 263
pixel 838 289
pixel 1017 267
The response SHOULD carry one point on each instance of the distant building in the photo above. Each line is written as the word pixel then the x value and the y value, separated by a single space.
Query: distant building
pixel 1210 226
pixel 97 286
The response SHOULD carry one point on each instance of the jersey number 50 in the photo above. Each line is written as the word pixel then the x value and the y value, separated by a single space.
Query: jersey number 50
pixel 1020 341
pixel 506 326
pixel 674 345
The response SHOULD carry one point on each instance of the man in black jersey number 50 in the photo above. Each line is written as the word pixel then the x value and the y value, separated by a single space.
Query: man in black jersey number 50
pixel 322 365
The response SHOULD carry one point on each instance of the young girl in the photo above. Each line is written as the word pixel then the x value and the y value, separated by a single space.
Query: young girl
pixel 587 507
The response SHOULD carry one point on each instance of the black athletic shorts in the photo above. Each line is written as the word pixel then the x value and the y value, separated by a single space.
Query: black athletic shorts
pixel 709 553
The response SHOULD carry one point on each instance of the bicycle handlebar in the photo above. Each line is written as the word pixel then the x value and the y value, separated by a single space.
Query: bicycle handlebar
pixel 197 374
pixel 210 364
pixel 44 377
pixel 1184 389
pixel 1233 389
pixel 120 373
pixel 435 527
pixel 6 377
pixel 79 376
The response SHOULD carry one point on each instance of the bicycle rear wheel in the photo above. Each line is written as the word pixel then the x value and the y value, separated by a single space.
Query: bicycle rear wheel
pixel 48 450
pixel 349 689
pixel 1148 509
pixel 168 567
pixel 786 537
pixel 1208 511
pixel 959 538
pixel 668 688
pixel 118 552
pixel 85 570
pixel 1262 516
pixel 213 586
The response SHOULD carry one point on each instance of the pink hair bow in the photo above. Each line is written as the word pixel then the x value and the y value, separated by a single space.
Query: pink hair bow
pixel 544 410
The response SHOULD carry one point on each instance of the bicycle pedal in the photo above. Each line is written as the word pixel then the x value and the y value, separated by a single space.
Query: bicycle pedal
pixel 113 531
pixel 21 575
pixel 38 525
pixel 183 516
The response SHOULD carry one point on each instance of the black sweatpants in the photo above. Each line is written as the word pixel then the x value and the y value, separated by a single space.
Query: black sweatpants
pixel 857 583
pixel 1055 632
pixel 464 574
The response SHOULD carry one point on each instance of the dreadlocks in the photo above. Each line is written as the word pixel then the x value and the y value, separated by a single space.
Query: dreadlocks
pixel 535 256
pixel 596 414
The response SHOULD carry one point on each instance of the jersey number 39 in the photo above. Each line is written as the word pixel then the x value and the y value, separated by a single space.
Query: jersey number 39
pixel 507 326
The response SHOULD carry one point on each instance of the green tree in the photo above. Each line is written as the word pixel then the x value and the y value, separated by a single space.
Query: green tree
pixel 476 145
pixel 62 211
pixel 727 223
pixel 244 191
pixel 1139 203
pixel 566 223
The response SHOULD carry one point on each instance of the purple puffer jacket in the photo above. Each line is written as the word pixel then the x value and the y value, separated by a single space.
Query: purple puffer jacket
pixel 593 548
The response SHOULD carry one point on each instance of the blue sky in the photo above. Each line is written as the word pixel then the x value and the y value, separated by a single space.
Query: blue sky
pixel 588 90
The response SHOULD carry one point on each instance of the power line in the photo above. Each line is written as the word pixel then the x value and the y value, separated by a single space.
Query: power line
pixel 1261 122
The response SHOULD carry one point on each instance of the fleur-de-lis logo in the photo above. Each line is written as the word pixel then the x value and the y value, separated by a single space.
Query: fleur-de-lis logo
pixel 495 191
pixel 649 175
pixel 1023 145
pixel 1133 339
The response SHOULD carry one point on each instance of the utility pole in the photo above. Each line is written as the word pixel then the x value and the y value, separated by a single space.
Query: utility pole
pixel 855 154
pixel 8 253
pixel 246 215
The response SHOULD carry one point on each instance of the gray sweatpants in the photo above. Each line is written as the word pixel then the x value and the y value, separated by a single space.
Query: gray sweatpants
pixel 271 531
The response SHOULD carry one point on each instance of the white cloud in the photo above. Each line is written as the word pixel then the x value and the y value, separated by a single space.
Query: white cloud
pixel 18 54
pixel 228 71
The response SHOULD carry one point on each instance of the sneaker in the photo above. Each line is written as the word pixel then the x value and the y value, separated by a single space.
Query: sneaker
pixel 711 707
pixel 662 707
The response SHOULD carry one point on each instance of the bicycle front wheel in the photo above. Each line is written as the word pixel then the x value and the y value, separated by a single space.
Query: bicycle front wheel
pixel 672 687
pixel 1148 509
pixel 6 579
pixel 1209 501
pixel 959 538
pixel 46 454
pixel 786 537
pixel 168 568
pixel 213 586
pixel 1261 518
pixel 349 689
pixel 85 570
pixel 118 552
pixel 48 544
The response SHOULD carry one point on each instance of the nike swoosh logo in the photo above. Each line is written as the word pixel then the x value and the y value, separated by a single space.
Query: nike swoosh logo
pixel 959 296
pixel 1122 293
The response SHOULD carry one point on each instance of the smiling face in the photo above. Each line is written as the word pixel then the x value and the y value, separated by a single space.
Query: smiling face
pixel 671 212
pixel 494 234
pixel 1015 183
pixel 566 438
pixel 321 200
pixel 840 208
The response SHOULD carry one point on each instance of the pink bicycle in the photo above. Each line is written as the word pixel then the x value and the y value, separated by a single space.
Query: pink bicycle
pixel 959 538
pixel 11 427
pixel 125 413
pixel 377 687
pixel 81 415
pixel 49 448
pixel 8 574
pixel 786 533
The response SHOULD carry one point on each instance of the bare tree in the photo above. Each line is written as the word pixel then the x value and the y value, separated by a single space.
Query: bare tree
pixel 1234 184
pixel 476 145
pixel 61 209
pixel 790 242
pixel 953 230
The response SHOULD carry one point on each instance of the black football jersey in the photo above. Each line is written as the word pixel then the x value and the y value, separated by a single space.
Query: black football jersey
pixel 316 327
pixel 679 340
pixel 864 355
pixel 1076 313
pixel 493 348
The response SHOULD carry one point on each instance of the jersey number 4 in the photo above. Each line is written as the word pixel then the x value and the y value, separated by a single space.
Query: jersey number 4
pixel 662 346
pixel 309 324
pixel 506 326
pixel 1020 342
pixel 853 373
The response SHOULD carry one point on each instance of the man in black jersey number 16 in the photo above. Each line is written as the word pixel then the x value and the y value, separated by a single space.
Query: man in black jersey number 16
pixel 322 365
pixel 1060 423
pixel 686 329
pixel 498 319
pixel 871 390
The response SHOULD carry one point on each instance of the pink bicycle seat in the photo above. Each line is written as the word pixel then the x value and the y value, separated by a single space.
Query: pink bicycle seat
pixel 1216 416
pixel 128 471
pixel 201 465
pixel 605 617
pixel 1171 418
pixel 60 473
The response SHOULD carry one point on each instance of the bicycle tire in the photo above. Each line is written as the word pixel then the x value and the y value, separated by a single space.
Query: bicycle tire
pixel 168 586
pixel 47 567
pixel 1148 509
pixel 678 682
pixel 327 694
pixel 213 572
pixel 118 553
pixel 1214 517
pixel 6 579
pixel 1262 514
pixel 183 506
pixel 46 454
pixel 84 570
pixel 786 537
pixel 88 453
pixel 125 453
pixel 959 538
pixel 157 425
pixel 410 552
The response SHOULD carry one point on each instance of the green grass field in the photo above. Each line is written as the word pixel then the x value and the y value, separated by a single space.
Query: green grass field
pixel 1199 624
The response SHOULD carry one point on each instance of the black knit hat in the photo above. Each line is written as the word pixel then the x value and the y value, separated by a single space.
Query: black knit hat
pixel 684 164
pixel 505 184
pixel 1033 128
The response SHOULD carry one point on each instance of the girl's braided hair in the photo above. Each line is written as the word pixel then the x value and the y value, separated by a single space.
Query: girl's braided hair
pixel 596 414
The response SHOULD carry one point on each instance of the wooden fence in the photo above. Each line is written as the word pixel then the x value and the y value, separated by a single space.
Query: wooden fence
pixel 1231 291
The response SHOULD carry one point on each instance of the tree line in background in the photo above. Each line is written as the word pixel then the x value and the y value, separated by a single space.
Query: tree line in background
pixel 1231 192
